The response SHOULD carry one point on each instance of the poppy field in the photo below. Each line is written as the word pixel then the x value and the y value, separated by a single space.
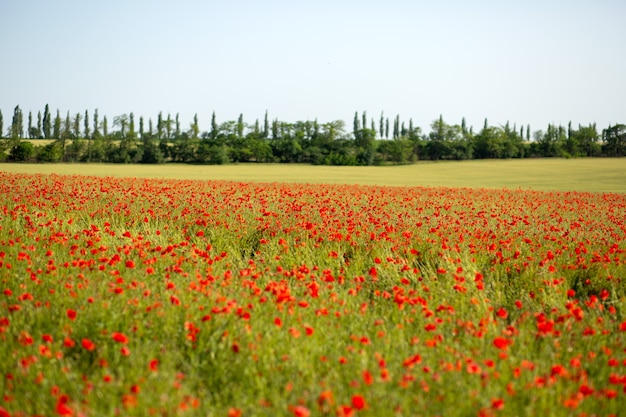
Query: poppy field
pixel 163 297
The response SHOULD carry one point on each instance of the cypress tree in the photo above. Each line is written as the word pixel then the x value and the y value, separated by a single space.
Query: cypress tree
pixel 396 127
pixel 213 126
pixel 131 125
pixel 195 128
pixel 86 125
pixel 266 126
pixel 356 126
pixel 364 118
pixel 168 126
pixel 96 127
pixel 177 131
pixel 141 127
pixel 1 123
pixel 39 126
pixel 47 123
pixel 160 125
pixel 30 124
pixel 67 126
pixel 17 126
pixel 105 127
pixel 387 128
pixel 57 126
pixel 77 125
pixel 240 126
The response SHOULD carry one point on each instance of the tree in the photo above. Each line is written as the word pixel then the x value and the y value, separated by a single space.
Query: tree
pixel 387 128
pixel 96 125
pixel 105 127
pixel 86 133
pixel 549 143
pixel 365 142
pixel 66 133
pixel 131 126
pixel 151 154
pixel 77 125
pixel 396 127
pixel 587 139
pixel 141 132
pixel 364 118
pixel 122 122
pixel 57 126
pixel 177 127
pixel 17 127
pixel 381 125
pixel 195 129
pixel 614 138
pixel 39 125
pixel 30 124
pixel 266 127
pixel 160 126
pixel 47 123
pixel 356 125
pixel 571 145
pixel 168 127
pixel 240 126
pixel 214 127
pixel 257 128
pixel 442 138
pixel 1 123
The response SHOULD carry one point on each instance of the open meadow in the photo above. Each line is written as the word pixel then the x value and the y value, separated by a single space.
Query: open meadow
pixel 282 290
pixel 584 174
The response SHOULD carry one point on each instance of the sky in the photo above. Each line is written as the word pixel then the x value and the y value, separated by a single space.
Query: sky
pixel 527 62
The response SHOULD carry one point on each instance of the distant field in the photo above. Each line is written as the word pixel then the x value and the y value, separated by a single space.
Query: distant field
pixel 589 174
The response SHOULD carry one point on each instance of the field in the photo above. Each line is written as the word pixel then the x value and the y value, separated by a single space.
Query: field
pixel 129 296
pixel 585 174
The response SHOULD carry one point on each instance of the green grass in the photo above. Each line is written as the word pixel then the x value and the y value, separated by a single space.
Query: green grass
pixel 589 174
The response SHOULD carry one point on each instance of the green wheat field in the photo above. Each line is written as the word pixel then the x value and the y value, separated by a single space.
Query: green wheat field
pixel 589 174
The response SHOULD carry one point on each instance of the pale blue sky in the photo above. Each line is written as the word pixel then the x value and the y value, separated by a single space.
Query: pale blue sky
pixel 528 62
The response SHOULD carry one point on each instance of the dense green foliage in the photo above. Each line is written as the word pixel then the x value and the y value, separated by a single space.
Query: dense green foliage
pixel 301 142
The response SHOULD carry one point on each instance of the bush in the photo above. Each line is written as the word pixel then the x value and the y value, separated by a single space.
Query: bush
pixel 52 152
pixel 22 152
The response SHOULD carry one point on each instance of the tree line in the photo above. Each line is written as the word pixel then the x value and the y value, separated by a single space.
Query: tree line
pixel 85 137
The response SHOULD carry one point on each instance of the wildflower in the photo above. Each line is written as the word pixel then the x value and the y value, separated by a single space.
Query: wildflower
pixel 88 344
pixel 120 337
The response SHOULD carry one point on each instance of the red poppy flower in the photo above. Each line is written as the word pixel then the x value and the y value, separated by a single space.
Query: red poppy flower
pixel 120 337
pixel 88 344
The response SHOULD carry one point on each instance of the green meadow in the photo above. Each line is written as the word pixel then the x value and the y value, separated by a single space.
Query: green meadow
pixel 588 174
